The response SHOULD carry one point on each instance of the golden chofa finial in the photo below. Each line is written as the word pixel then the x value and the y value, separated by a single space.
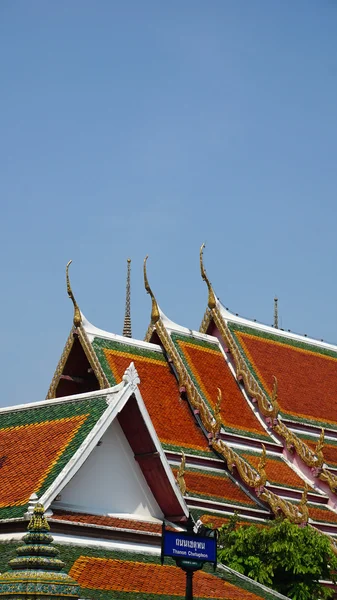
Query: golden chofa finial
pixel 155 315
pixel 77 312
pixel 211 295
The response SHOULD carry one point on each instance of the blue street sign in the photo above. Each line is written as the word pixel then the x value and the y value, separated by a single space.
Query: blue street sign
pixel 188 546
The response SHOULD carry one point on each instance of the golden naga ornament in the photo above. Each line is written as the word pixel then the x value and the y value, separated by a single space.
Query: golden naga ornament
pixel 180 475
pixel 216 425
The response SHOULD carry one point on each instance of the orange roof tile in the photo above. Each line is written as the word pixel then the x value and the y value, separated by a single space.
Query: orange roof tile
pixel 215 486
pixel 307 375
pixel 41 444
pixel 150 578
pixel 105 521
pixel 36 443
pixel 170 414
pixel 210 371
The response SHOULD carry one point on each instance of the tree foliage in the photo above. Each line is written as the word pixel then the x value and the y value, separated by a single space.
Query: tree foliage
pixel 290 559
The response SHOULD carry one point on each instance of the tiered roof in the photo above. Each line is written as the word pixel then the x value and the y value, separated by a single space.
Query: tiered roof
pixel 57 436
pixel 245 403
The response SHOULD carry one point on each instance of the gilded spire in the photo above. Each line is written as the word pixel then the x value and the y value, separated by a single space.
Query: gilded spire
pixel 127 317
pixel 36 571
pixel 276 312
pixel 77 312
pixel 38 521
pixel 155 316
pixel 211 295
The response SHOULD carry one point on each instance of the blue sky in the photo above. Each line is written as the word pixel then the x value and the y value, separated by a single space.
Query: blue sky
pixel 131 128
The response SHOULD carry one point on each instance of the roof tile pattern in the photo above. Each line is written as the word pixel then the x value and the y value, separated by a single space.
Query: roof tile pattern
pixel 209 370
pixel 43 443
pixel 104 521
pixel 306 374
pixel 170 414
pixel 215 486
pixel 147 578
pixel 120 574
pixel 36 443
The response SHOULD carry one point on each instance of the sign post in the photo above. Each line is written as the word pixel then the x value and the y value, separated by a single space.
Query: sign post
pixel 189 550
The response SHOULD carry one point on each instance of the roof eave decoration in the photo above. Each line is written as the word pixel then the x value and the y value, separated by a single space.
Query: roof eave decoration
pixel 255 479
pixel 78 330
pixel 268 407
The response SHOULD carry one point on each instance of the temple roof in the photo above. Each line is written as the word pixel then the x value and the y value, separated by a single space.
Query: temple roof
pixel 57 436
pixel 105 574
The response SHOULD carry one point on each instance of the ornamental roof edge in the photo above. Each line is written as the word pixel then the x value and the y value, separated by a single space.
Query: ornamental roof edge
pixel 229 316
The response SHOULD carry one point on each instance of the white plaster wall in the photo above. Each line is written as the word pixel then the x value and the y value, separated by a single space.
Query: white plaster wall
pixel 110 481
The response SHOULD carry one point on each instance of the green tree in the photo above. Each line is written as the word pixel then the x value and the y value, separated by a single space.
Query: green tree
pixel 290 559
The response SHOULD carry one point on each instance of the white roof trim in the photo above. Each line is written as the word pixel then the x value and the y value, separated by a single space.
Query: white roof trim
pixel 64 399
pixel 174 327
pixel 93 332
pixel 113 408
pixel 228 316
pixel 160 451
pixel 251 582
pixel 115 404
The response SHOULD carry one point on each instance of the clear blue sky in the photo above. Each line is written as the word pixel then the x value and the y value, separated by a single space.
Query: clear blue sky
pixel 147 127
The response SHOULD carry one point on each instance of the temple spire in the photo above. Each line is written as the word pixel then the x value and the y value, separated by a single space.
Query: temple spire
pixel 127 318
pixel 276 312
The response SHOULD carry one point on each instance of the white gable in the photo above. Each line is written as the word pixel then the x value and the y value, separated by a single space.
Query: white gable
pixel 110 482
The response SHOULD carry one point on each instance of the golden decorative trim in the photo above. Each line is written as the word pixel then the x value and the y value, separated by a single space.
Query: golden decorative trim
pixel 149 332
pixel 206 321
pixel 268 408
pixel 211 295
pixel 59 369
pixel 77 312
pixel 216 425
pixel 298 514
pixel 92 358
pixel 293 441
pixel 248 474
pixel 255 479
pixel 155 315
pixel 180 475
pixel 329 478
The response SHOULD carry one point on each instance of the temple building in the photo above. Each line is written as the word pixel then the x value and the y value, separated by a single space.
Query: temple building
pixel 237 417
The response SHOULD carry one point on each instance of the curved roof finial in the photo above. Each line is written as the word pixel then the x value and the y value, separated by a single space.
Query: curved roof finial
pixel 155 315
pixel 77 312
pixel 127 332
pixel 211 295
